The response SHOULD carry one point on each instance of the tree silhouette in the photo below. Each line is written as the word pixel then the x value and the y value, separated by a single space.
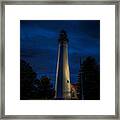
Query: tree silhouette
pixel 45 87
pixel 27 76
pixel 32 88
pixel 42 89
pixel 89 80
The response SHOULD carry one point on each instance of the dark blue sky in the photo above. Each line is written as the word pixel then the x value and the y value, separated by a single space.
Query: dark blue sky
pixel 39 44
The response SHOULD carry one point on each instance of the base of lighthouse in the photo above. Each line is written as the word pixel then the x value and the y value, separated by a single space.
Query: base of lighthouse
pixel 62 86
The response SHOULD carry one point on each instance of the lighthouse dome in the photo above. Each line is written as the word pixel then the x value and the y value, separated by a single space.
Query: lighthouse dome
pixel 63 37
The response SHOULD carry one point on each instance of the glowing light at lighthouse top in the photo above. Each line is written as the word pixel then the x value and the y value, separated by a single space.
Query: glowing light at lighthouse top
pixel 63 37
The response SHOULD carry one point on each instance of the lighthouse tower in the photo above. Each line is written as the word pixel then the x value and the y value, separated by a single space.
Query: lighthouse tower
pixel 62 86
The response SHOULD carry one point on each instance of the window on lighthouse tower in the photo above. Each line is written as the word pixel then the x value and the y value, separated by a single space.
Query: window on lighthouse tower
pixel 67 81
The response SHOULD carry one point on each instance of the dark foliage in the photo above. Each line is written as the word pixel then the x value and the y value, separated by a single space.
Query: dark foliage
pixel 27 76
pixel 89 80
pixel 43 88
pixel 32 88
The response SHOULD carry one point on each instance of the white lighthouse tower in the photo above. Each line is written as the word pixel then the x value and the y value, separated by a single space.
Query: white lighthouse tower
pixel 62 86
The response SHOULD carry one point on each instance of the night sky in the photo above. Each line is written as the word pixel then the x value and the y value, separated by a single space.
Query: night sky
pixel 39 44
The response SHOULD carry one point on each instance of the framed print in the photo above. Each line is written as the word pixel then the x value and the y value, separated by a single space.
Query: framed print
pixel 60 59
